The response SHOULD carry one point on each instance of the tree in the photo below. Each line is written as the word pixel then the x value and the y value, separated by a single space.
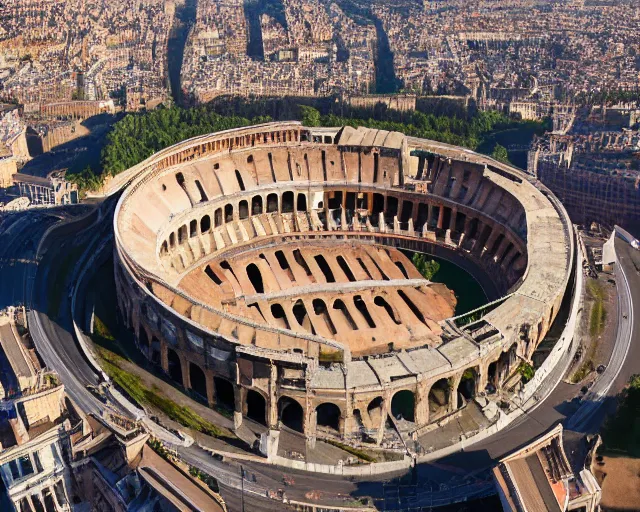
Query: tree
pixel 310 116
pixel 500 154
pixel 428 268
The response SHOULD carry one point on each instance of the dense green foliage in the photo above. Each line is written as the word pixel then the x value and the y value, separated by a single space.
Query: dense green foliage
pixel 428 268
pixel 622 431
pixel 527 371
pixel 138 136
pixel 500 154
pixel 468 132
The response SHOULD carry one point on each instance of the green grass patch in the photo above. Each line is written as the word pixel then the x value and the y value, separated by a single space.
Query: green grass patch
pixel 132 384
pixel 597 319
pixel 353 451
pixel 598 314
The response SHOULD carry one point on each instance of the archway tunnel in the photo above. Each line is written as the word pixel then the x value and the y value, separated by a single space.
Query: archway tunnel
pixel 403 405
pixel 291 413
pixel 256 407
pixel 225 394
pixel 198 380
pixel 439 399
pixel 175 368
pixel 328 415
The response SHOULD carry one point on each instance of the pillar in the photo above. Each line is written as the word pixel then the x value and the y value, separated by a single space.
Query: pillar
pixel 211 389
pixel 239 395
pixel 453 400
pixel 452 221
pixel 186 375
pixel 441 217
pixel 422 402
pixel 272 403
pixel 164 357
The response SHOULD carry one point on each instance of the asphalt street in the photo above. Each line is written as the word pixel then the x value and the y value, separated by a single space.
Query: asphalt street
pixel 449 479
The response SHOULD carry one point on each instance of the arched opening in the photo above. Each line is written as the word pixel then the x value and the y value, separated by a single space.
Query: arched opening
pixel 403 405
pixel 175 368
pixel 468 383
pixel 362 308
pixel 182 234
pixel 291 413
pixel 340 306
pixel 492 374
pixel 272 203
pixel 300 313
pixel 164 248
pixel 155 351
pixel 374 410
pixel 198 380
pixel 301 205
pixel 255 276
pixel 228 212
pixel 172 240
pixel 243 210
pixel 193 228
pixel 439 397
pixel 320 309
pixel 256 407
pixel 256 205
pixel 205 224
pixel 287 202
pixel 279 316
pixel 217 216
pixel 328 415
pixel 143 341
pixel 225 394
pixel 381 302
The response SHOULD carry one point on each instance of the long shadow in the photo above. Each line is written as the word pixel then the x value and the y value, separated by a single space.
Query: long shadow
pixel 74 155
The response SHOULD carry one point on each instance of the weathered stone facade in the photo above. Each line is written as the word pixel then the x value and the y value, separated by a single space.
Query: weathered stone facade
pixel 259 267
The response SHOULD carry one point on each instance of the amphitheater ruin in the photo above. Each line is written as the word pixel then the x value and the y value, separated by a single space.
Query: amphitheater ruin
pixel 266 270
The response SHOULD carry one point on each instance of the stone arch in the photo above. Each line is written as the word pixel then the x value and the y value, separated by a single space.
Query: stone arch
pixel 205 224
pixel 193 228
pixel 301 203
pixel 256 205
pixel 272 203
pixel 291 413
pixel 468 384
pixel 155 354
pixel 198 380
pixel 403 404
pixel 255 276
pixel 328 415
pixel 287 202
pixel 439 398
pixel 228 212
pixel 143 341
pixel 174 366
pixel 375 410
pixel 256 407
pixel 243 209
pixel 225 393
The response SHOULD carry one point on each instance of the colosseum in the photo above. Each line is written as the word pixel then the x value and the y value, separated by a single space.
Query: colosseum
pixel 265 269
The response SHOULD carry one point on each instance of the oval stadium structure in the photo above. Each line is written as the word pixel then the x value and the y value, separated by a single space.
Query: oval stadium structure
pixel 266 270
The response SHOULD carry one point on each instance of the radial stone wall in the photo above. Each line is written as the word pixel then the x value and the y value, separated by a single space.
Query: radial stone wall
pixel 261 269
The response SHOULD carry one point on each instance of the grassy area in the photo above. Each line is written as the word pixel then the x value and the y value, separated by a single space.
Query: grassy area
pixel 353 451
pixel 621 432
pixel 132 384
pixel 597 319
pixel 598 309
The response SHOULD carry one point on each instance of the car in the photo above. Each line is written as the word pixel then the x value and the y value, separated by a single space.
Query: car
pixel 601 368
pixel 624 315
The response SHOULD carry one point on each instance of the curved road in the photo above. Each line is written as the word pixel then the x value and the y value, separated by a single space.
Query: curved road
pixel 452 478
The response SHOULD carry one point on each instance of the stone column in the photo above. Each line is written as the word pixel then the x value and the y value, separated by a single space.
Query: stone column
pixel 272 405
pixel 164 357
pixel 441 217
pixel 211 388
pixel 452 221
pixel 239 394
pixel 422 402
pixel 186 376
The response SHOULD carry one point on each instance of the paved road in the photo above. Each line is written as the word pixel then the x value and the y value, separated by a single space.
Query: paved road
pixel 429 483
pixel 627 323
